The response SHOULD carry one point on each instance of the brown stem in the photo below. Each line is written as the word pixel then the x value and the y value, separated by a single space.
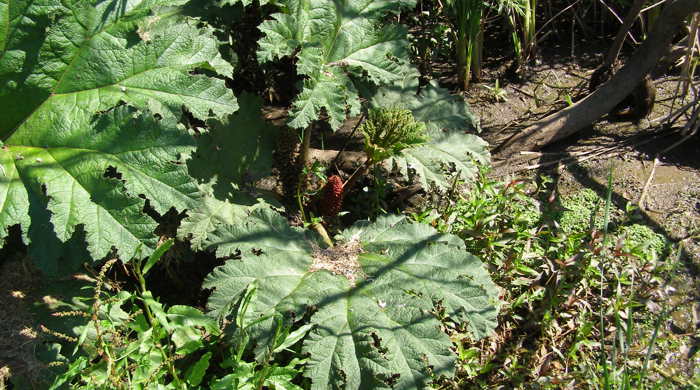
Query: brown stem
pixel 574 118
pixel 622 33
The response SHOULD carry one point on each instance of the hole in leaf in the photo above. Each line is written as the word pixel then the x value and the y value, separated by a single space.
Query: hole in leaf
pixel 377 343
pixel 257 252
pixel 112 173
pixel 392 380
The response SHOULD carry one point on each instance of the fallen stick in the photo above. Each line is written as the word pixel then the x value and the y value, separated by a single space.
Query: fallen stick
pixel 645 189
pixel 587 155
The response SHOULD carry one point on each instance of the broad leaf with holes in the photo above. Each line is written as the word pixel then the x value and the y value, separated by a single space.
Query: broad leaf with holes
pixel 237 149
pixel 91 176
pixel 332 40
pixel 212 212
pixel 64 67
pixel 373 294
pixel 244 2
pixel 447 153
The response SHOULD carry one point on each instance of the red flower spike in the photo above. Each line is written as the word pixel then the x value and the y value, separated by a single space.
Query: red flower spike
pixel 332 198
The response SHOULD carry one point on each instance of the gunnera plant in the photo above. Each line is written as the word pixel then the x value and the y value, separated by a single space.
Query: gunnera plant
pixel 370 300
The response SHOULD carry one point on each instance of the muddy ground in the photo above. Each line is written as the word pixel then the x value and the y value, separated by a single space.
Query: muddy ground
pixel 673 196
pixel 672 200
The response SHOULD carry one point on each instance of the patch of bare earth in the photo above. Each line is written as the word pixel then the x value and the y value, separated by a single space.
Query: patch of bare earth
pixel 672 196
pixel 18 336
pixel 340 260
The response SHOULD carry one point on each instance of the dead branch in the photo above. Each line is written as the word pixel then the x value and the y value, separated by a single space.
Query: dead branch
pixel 632 15
pixel 568 121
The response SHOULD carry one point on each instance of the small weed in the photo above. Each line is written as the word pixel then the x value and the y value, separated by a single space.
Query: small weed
pixel 497 93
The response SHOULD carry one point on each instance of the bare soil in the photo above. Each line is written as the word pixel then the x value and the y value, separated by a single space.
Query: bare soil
pixel 18 333
pixel 672 199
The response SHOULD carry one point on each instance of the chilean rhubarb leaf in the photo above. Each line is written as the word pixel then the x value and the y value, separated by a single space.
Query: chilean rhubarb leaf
pixel 373 293
pixel 237 149
pixel 212 212
pixel 244 2
pixel 332 40
pixel 64 67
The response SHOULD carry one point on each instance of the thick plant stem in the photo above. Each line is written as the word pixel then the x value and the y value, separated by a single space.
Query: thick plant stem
pixel 475 30
pixel 477 53
pixel 463 61
pixel 318 227
pixel 467 15
pixel 515 36
pixel 529 29
pixel 524 38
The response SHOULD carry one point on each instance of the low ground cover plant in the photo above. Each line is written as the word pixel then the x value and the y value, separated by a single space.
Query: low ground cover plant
pixel 583 286
pixel 129 340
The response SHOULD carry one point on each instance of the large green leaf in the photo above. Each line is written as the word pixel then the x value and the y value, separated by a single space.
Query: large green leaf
pixel 89 55
pixel 235 150
pixel 333 39
pixel 212 212
pixel 431 103
pixel 375 329
pixel 64 67
pixel 73 170
pixel 452 147
pixel 363 341
pixel 445 154
pixel 244 2
pixel 431 263
pixel 232 154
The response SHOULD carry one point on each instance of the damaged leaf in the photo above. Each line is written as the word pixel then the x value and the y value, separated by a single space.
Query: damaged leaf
pixel 373 293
